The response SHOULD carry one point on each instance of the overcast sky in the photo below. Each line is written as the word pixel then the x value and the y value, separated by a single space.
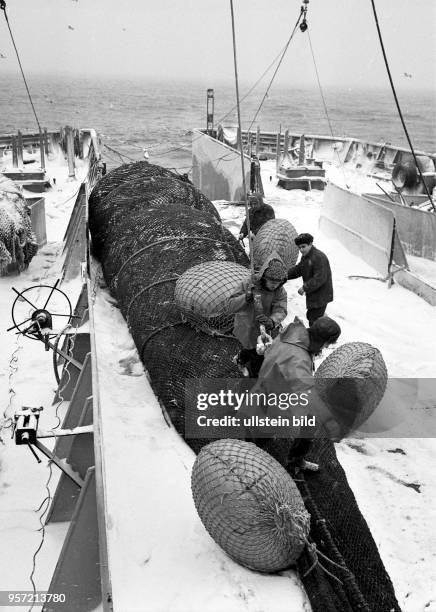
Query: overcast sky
pixel 192 39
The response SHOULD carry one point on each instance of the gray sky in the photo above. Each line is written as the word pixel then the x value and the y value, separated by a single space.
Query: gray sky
pixel 192 39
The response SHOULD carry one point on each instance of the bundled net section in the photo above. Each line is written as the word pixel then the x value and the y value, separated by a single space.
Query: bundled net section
pixel 276 235
pixel 250 505
pixel 146 242
pixel 202 294
pixel 17 241
pixel 355 372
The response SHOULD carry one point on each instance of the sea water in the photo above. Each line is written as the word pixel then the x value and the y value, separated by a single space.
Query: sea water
pixel 137 114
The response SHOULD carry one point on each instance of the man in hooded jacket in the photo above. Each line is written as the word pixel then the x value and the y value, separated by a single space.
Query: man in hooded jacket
pixel 288 366
pixel 259 213
pixel 263 302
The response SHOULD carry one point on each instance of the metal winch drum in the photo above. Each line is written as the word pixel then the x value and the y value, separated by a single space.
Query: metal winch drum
pixel 275 235
pixel 203 291
pixel 249 505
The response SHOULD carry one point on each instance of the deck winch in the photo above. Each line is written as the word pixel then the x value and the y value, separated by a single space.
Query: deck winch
pixel 33 319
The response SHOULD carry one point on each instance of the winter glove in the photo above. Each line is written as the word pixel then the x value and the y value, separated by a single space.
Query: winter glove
pixel 301 291
pixel 266 321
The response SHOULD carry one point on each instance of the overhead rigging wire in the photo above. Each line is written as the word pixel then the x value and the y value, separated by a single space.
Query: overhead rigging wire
pixel 121 155
pixel 252 88
pixel 244 187
pixel 277 68
pixel 3 8
pixel 341 163
pixel 398 104
pixel 180 148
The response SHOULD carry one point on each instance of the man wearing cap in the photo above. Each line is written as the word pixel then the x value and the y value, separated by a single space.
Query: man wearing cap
pixel 314 267
pixel 259 213
pixel 288 366
pixel 262 302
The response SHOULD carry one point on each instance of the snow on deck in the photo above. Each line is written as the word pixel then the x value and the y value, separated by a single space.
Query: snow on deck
pixel 27 379
pixel 160 556
pixel 155 535
pixel 391 477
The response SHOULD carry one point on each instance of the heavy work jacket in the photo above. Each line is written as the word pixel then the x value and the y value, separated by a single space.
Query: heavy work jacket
pixel 274 303
pixel 288 368
pixel 317 278
pixel 258 216
pixel 288 358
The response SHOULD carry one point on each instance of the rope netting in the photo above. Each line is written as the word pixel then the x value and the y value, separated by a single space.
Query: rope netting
pixel 17 241
pixel 342 534
pixel 276 235
pixel 250 505
pixel 203 291
pixel 132 187
pixel 126 173
pixel 358 370
pixel 146 242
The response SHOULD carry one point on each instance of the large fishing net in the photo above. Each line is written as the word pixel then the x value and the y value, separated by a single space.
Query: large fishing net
pixel 132 187
pixel 145 243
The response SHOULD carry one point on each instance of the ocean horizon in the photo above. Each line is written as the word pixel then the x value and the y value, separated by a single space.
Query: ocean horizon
pixel 133 113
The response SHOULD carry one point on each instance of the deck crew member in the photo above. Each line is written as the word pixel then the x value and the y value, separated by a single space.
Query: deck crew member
pixel 288 366
pixel 259 213
pixel 314 267
pixel 261 303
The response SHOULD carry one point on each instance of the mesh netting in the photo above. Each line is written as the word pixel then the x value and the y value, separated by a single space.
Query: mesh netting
pixel 137 194
pixel 276 235
pixel 123 174
pixel 342 534
pixel 17 241
pixel 202 293
pixel 143 253
pixel 356 370
pixel 250 505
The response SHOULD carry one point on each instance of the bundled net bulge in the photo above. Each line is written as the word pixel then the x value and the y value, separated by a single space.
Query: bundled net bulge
pixel 202 294
pixel 250 505
pixel 275 235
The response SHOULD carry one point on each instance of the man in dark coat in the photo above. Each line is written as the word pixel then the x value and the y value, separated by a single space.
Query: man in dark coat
pixel 314 267
pixel 288 366
pixel 259 213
